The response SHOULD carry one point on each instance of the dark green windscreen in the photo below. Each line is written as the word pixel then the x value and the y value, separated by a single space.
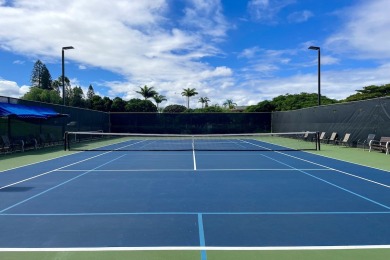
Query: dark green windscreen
pixel 357 118
pixel 190 123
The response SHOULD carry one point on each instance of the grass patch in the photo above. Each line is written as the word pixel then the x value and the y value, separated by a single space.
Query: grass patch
pixel 112 255
pixel 339 254
pixel 17 159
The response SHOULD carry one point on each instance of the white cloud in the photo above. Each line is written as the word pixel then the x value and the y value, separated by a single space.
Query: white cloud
pixel 329 60
pixel 135 39
pixel 249 52
pixel 140 42
pixel 19 62
pixel 11 89
pixel 364 33
pixel 334 84
pixel 217 72
pixel 207 16
pixel 300 17
pixel 266 63
pixel 267 10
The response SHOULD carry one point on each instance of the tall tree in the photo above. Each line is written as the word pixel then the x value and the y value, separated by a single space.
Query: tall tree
pixel 97 103
pixel 189 92
pixel 174 109
pixel 298 101
pixel 138 105
pixel 118 105
pixel 90 95
pixel 42 95
pixel 159 99
pixel 40 76
pixel 90 92
pixel 77 98
pixel 147 92
pixel 263 106
pixel 229 104
pixel 369 92
pixel 68 91
pixel 57 86
pixel 46 79
pixel 107 104
pixel 205 101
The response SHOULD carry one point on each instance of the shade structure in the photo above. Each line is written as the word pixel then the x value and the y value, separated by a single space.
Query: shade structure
pixel 25 112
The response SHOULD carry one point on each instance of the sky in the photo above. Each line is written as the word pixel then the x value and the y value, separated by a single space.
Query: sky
pixel 245 50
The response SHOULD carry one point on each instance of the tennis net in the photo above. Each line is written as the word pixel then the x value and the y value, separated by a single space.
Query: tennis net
pixel 95 141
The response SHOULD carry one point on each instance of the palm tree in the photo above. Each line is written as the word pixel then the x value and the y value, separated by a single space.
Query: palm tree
pixel 147 92
pixel 159 98
pixel 189 92
pixel 205 101
pixel 229 104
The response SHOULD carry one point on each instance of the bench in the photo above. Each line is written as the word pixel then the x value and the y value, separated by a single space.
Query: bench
pixel 364 143
pixel 382 145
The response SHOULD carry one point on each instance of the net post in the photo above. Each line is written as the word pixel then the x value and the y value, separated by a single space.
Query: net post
pixel 66 138
pixel 318 143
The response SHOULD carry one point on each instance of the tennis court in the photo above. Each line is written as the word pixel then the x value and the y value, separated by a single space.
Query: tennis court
pixel 189 199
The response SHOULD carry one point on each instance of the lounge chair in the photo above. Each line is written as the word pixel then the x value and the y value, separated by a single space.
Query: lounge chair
pixel 344 141
pixel 306 136
pixel 332 138
pixel 323 136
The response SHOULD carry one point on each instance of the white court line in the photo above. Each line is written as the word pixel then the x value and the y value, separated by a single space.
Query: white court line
pixel 254 213
pixel 58 157
pixel 45 173
pixel 263 147
pixel 58 169
pixel 329 168
pixel 186 248
pixel 336 170
pixel 149 143
pixel 178 170
pixel 56 186
pixel 193 154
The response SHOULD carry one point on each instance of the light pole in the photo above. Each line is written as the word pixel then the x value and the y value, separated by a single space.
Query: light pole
pixel 63 71
pixel 319 71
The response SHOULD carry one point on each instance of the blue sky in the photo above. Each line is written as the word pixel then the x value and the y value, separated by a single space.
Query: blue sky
pixel 248 51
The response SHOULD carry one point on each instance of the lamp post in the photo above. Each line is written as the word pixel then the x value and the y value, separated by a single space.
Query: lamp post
pixel 63 71
pixel 319 71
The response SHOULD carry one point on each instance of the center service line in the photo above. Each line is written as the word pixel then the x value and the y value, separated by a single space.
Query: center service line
pixel 202 241
pixel 193 155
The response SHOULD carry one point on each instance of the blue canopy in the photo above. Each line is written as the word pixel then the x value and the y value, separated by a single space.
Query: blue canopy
pixel 22 111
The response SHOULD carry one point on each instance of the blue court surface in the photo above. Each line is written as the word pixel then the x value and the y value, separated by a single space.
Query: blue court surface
pixel 194 199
